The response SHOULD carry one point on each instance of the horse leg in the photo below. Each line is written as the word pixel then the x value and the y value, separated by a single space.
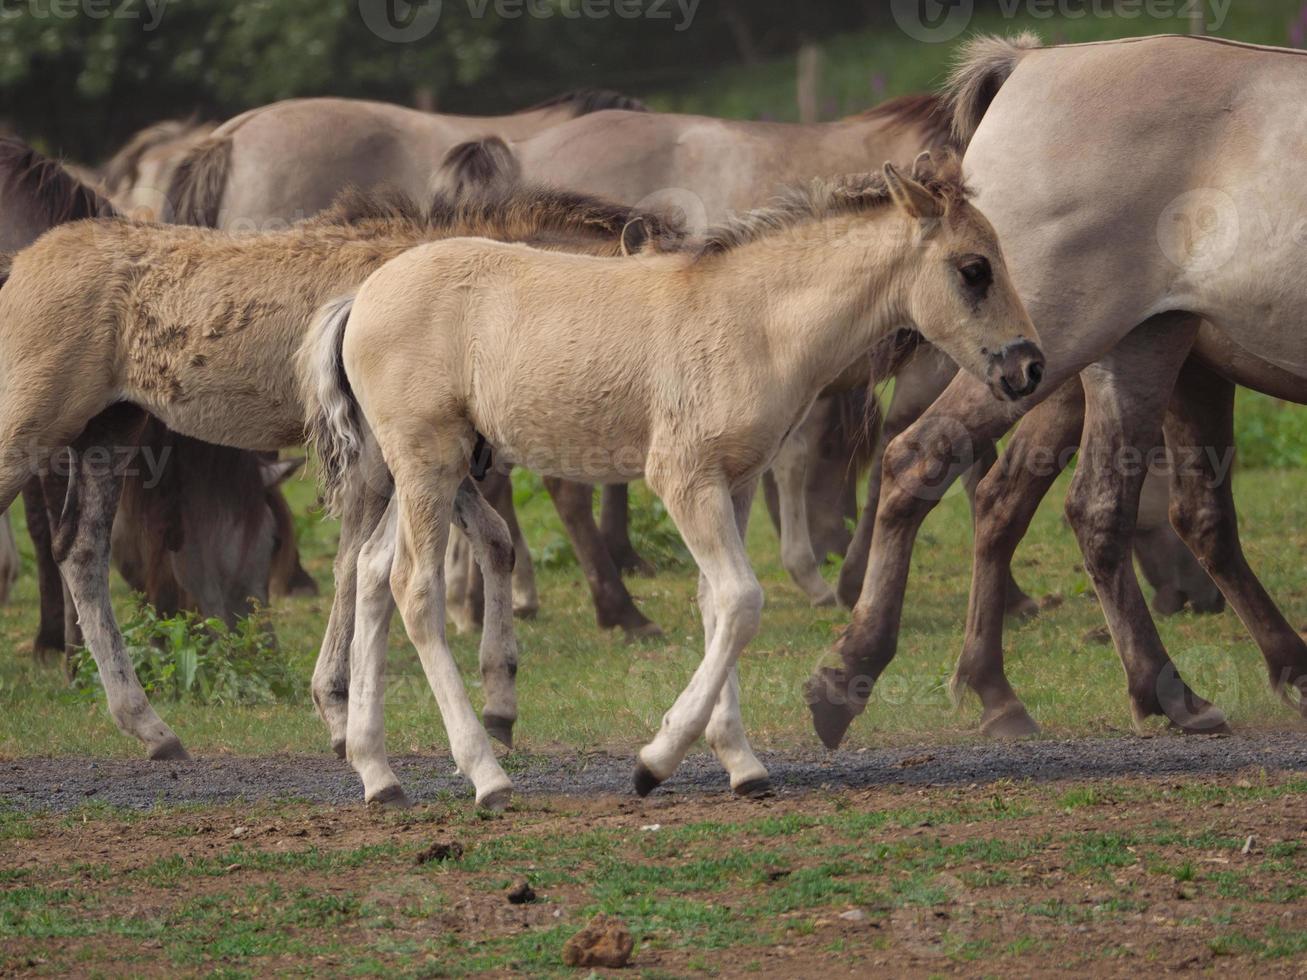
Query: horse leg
pixel 81 547
pixel 497 488
pixel 919 466
pixel 705 515
pixel 615 526
pixel 489 540
pixel 613 603
pixel 1126 394
pixel 427 478
pixel 365 722
pixel 1005 502
pixel 725 732
pixel 50 585
pixel 1015 600
pixel 362 510
pixel 790 468
pixel 1200 435
pixel 1166 561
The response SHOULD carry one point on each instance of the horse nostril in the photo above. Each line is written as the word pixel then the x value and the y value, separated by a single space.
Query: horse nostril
pixel 1036 372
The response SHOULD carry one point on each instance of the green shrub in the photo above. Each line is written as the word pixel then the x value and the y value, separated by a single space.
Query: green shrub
pixel 186 658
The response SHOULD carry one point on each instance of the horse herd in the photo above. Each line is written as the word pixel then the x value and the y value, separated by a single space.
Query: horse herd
pixel 590 290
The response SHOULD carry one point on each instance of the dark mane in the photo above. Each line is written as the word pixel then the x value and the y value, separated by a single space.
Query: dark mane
pixel 584 101
pixel 59 195
pixel 512 213
pixel 818 199
pixel 925 111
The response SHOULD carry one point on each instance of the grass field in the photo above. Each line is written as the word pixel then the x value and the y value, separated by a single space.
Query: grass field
pixel 584 688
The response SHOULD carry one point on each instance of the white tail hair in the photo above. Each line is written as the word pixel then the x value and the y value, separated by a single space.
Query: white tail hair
pixel 333 427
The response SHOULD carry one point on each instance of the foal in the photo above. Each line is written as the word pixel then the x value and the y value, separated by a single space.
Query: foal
pixel 687 369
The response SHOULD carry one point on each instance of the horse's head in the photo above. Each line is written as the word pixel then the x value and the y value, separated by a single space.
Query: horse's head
pixel 961 297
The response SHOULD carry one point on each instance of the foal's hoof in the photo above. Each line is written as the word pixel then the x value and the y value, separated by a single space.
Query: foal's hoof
pixel 392 797
pixel 170 750
pixel 1011 721
pixel 831 715
pixel 1207 720
pixel 527 610
pixel 754 789
pixel 496 801
pixel 338 746
pixel 1022 607
pixel 499 728
pixel 645 781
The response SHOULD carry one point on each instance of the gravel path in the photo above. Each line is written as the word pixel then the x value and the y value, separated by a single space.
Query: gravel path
pixel 65 783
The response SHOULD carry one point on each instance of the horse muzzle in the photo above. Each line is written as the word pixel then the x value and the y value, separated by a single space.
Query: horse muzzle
pixel 1016 370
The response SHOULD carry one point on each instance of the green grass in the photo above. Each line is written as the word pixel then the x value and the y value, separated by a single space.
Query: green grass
pixel 581 687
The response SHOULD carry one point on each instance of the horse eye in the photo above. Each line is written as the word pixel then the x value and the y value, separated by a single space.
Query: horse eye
pixel 977 273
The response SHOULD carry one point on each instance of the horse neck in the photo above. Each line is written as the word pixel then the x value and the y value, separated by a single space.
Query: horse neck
pixel 831 289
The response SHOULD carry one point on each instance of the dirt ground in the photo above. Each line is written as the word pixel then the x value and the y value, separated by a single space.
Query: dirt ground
pixel 948 861
pixel 67 782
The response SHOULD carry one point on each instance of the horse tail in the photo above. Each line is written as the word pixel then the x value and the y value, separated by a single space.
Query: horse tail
pixel 982 68
pixel 199 181
pixel 477 166
pixel 334 427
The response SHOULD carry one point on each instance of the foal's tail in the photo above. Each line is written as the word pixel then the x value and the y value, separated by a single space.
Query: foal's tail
pixel 333 426
pixel 982 68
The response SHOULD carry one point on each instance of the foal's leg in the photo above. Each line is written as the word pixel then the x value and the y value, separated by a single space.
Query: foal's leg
pixel 725 733
pixel 81 547
pixel 1005 503
pixel 613 603
pixel 790 467
pixel 427 476
pixel 362 510
pixel 1200 435
pixel 705 515
pixel 1126 394
pixel 492 546
pixel 497 488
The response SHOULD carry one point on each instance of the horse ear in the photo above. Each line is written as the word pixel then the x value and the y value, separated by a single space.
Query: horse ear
pixel 920 164
pixel 277 471
pixel 911 196
pixel 635 235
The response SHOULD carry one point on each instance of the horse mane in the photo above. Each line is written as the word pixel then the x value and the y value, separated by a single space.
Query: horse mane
pixel 475 165
pixel 583 101
pixel 818 199
pixel 124 167
pixel 512 213
pixel 925 111
pixel 59 195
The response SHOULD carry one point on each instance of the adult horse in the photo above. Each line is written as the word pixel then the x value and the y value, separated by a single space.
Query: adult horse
pixel 1134 183
pixel 689 368
pixel 197 326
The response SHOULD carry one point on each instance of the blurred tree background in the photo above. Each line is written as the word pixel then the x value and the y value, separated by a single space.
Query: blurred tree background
pixel 78 77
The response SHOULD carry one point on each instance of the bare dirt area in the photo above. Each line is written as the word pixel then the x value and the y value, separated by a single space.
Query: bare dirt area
pixel 923 863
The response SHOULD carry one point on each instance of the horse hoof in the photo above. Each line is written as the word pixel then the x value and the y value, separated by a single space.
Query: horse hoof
pixel 499 728
pixel 1012 721
pixel 829 719
pixel 496 801
pixel 754 789
pixel 1022 608
pixel 1209 720
pixel 645 781
pixel 525 612
pixel 822 599
pixel 392 797
pixel 338 746
pixel 170 750
pixel 645 631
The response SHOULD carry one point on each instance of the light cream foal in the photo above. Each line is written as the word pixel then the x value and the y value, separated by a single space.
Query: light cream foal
pixel 687 369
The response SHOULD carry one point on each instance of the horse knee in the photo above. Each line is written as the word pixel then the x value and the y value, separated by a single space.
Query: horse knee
pixel 909 478
pixel 740 606
pixel 1101 527
pixel 1204 527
